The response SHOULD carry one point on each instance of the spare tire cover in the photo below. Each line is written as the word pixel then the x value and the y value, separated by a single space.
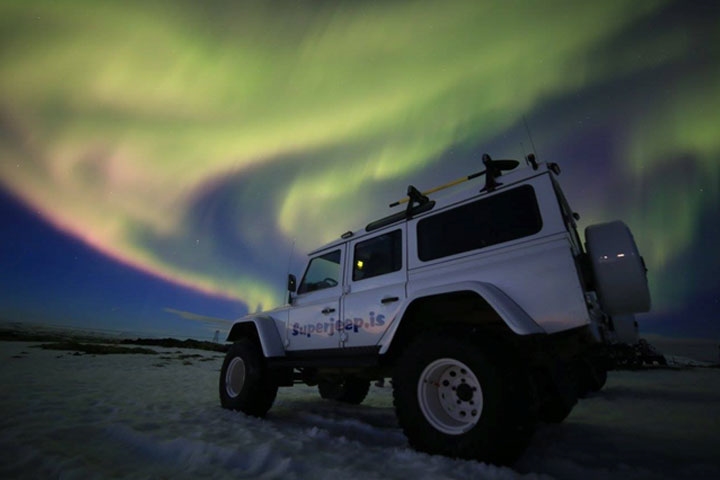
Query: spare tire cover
pixel 618 269
pixel 626 329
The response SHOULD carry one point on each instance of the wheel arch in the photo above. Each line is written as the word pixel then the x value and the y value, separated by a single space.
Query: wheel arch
pixel 476 304
pixel 262 331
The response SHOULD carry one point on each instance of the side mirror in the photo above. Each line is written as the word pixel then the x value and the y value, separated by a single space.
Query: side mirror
pixel 292 283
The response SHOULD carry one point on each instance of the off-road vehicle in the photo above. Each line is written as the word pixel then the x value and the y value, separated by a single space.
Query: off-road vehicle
pixel 484 308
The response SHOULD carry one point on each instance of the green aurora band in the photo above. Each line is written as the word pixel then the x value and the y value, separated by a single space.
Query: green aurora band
pixel 116 116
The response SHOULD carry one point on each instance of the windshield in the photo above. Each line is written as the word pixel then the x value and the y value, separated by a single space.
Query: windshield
pixel 322 272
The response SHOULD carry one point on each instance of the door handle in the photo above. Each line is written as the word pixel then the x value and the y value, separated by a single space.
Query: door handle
pixel 389 300
pixel 327 310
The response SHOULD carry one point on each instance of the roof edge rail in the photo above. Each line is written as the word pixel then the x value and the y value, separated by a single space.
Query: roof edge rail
pixel 400 216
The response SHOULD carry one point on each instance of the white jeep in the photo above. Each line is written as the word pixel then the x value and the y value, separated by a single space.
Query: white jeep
pixel 484 308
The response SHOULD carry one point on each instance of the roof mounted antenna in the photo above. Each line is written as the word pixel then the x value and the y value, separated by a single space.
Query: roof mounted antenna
pixel 527 129
pixel 530 157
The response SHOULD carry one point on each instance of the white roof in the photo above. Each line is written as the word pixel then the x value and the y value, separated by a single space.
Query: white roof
pixel 470 189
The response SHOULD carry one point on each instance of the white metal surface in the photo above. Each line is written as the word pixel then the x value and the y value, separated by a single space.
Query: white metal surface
pixel 533 283
pixel 235 377
pixel 450 396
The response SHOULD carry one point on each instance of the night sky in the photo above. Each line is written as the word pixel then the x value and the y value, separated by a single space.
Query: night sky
pixel 162 162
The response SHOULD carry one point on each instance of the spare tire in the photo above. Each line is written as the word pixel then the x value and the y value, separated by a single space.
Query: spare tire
pixel 618 269
pixel 626 329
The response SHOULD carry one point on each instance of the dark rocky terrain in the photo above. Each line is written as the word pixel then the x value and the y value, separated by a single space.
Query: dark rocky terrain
pixel 97 344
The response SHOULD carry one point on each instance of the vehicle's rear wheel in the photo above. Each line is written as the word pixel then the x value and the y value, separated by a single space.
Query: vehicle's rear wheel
pixel 591 376
pixel 455 398
pixel 450 396
pixel 350 390
pixel 558 392
pixel 245 383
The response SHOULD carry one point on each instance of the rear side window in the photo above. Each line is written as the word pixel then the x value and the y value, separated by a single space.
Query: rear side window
pixel 503 217
pixel 378 256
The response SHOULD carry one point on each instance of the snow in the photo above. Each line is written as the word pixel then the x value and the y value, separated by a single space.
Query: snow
pixel 688 351
pixel 158 416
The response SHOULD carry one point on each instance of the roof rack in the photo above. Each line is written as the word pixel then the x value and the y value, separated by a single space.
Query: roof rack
pixel 493 169
pixel 407 214
pixel 418 202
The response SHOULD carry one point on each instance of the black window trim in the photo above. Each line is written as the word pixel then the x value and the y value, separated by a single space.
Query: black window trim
pixel 363 240
pixel 418 236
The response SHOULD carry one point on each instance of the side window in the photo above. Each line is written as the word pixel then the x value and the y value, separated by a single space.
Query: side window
pixel 378 256
pixel 503 217
pixel 323 272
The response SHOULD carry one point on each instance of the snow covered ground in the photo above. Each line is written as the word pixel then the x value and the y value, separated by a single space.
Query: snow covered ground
pixel 158 416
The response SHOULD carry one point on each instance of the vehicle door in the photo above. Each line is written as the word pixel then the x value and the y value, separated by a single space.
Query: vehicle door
pixel 315 312
pixel 376 276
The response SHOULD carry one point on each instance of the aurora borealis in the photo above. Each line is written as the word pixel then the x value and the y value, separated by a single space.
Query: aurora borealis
pixel 198 141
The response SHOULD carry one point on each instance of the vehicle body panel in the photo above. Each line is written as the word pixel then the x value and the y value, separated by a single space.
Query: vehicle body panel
pixel 533 283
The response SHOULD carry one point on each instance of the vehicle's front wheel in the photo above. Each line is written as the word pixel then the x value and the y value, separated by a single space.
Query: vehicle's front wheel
pixel 350 390
pixel 245 383
pixel 455 398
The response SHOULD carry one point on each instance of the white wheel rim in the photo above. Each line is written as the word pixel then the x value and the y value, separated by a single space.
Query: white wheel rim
pixel 235 377
pixel 450 396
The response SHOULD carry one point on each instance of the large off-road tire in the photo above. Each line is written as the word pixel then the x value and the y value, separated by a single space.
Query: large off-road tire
pixel 245 383
pixel 458 398
pixel 558 391
pixel 350 390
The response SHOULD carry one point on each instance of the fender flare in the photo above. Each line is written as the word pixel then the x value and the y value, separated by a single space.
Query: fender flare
pixel 510 312
pixel 267 334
